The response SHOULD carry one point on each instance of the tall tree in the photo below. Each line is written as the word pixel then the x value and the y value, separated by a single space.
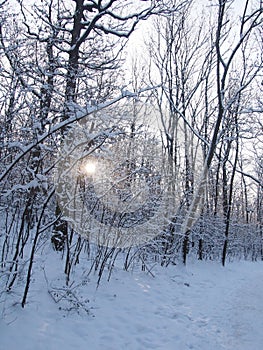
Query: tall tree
pixel 250 21
pixel 60 60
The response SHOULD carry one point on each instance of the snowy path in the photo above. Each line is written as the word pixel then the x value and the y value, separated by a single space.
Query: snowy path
pixel 201 307
pixel 248 313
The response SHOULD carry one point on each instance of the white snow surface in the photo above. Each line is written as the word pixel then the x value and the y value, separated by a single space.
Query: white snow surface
pixel 201 306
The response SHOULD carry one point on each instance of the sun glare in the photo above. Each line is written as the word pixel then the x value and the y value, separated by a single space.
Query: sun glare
pixel 90 167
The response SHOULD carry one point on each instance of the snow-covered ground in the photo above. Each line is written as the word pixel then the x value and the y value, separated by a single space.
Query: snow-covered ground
pixel 201 306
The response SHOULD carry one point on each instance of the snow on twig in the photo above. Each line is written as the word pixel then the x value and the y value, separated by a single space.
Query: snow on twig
pixel 80 114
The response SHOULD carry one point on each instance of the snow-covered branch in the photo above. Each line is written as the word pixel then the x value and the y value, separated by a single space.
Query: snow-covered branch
pixel 80 114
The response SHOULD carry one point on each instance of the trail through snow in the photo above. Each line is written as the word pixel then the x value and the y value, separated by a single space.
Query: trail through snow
pixel 202 306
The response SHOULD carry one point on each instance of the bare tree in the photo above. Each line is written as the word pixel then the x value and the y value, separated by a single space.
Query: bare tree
pixel 225 59
pixel 61 61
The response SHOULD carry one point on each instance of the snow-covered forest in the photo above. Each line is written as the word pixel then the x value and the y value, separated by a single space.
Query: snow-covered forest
pixel 131 140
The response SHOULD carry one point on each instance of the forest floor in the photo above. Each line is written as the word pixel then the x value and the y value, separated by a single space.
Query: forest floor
pixel 202 306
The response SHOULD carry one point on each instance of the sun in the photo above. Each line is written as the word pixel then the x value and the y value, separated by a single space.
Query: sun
pixel 89 167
